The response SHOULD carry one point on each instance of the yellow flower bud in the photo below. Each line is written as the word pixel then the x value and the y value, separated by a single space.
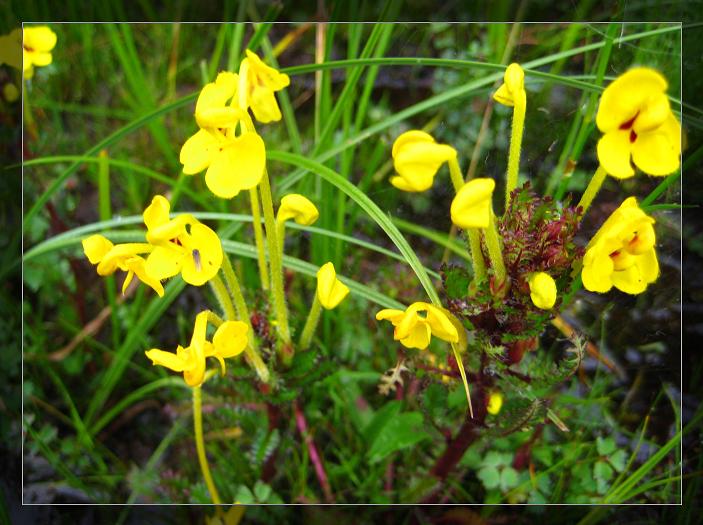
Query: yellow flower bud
pixel 543 290
pixel 638 126
pixel 330 290
pixel 471 207
pixel 298 208
pixel 622 252
pixel 495 403
pixel 417 158
pixel 513 85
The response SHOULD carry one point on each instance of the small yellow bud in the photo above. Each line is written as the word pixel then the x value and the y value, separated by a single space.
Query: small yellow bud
pixel 298 208
pixel 514 83
pixel 417 158
pixel 495 403
pixel 330 290
pixel 543 290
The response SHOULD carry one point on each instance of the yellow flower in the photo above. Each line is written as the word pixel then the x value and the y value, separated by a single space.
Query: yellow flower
pixel 298 208
pixel 416 331
pixel 234 156
pixel 36 48
pixel 495 403
pixel 471 208
pixel 417 158
pixel 182 245
pixel 638 126
pixel 257 85
pixel 11 49
pixel 622 254
pixel 543 290
pixel 513 85
pixel 330 290
pixel 229 340
pixel 109 258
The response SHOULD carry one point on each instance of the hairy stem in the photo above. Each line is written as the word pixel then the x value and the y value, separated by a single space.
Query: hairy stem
pixel 592 189
pixel 259 238
pixel 310 324
pixel 515 144
pixel 200 445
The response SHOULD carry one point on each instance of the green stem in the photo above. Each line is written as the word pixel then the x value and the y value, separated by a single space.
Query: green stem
pixel 455 174
pixel 515 144
pixel 479 265
pixel 251 350
pixel 279 300
pixel 494 252
pixel 259 237
pixel 281 236
pixel 592 189
pixel 223 297
pixel 200 445
pixel 310 324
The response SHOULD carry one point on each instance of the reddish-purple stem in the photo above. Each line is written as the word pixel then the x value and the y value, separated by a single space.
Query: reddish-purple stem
pixel 302 426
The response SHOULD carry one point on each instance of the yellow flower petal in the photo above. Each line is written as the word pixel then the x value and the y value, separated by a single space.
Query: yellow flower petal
pixel 543 290
pixel 96 247
pixel 40 38
pixel 168 359
pixel 471 207
pixel 165 262
pixel 390 314
pixel 118 255
pixel 197 151
pixel 137 266
pixel 211 109
pixel 330 290
pixel 597 271
pixel 626 96
pixel 614 150
pixel 417 336
pixel 230 339
pixel 417 158
pixel 238 165
pixel 257 84
pixel 513 85
pixel 202 255
pixel 157 213
pixel 298 208
pixel 655 111
pixel 440 325
pixel 657 152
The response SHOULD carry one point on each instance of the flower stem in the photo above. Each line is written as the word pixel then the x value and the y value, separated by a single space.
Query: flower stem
pixel 259 237
pixel 494 251
pixel 477 261
pixel 592 189
pixel 223 297
pixel 455 174
pixel 279 300
pixel 251 350
pixel 310 324
pixel 200 445
pixel 515 144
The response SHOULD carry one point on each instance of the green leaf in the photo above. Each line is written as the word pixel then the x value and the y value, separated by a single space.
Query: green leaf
pixel 605 446
pixel 496 459
pixel 490 477
pixel 602 471
pixel 618 460
pixel 244 495
pixel 400 432
pixel 456 282
pixel 262 491
pixel 509 479
pixel 380 419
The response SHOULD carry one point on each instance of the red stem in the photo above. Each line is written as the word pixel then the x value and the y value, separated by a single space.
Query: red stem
pixel 302 426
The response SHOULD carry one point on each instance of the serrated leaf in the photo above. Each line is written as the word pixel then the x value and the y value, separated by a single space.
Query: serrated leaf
pixel 490 477
pixel 303 362
pixel 456 282
pixel 400 432
pixel 605 446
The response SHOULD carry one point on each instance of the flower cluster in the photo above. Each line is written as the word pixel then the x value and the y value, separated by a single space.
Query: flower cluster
pixel 180 245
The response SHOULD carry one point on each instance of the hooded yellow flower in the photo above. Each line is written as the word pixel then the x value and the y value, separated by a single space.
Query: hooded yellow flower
pixel 417 158
pixel 416 331
pixel 622 254
pixel 234 156
pixel 109 258
pixel 182 245
pixel 330 290
pixel 471 207
pixel 36 44
pixel 229 340
pixel 257 85
pixel 298 208
pixel 513 88
pixel 543 290
pixel 638 126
